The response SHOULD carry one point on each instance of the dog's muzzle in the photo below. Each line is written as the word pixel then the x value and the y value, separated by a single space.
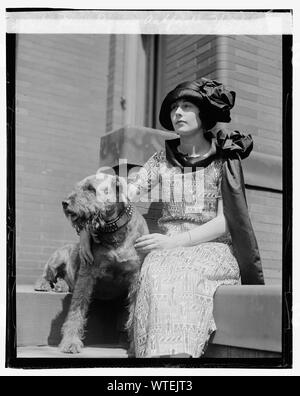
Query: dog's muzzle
pixel 68 212
pixel 65 204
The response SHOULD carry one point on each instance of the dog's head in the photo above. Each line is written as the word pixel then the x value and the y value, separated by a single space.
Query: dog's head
pixel 100 196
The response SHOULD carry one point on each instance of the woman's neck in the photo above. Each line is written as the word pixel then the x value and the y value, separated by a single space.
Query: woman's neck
pixel 194 145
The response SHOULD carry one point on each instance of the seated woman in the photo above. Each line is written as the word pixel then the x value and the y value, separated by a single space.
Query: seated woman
pixel 206 235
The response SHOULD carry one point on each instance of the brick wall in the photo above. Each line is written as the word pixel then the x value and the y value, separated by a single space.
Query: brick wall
pixel 265 210
pixel 252 66
pixel 61 86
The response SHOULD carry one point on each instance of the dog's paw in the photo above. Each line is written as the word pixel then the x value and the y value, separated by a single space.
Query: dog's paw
pixel 71 346
pixel 61 286
pixel 42 285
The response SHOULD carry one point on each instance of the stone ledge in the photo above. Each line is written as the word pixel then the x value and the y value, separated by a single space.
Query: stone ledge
pixel 40 316
pixel 90 352
pixel 247 317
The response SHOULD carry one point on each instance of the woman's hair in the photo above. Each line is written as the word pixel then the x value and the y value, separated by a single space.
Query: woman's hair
pixel 213 100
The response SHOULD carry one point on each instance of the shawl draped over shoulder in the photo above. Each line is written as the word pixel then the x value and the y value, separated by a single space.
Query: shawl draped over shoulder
pixel 234 147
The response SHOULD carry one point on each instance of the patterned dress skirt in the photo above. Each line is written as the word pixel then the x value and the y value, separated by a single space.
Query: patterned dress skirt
pixel 173 310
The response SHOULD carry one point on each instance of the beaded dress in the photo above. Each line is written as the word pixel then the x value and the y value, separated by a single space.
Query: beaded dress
pixel 173 309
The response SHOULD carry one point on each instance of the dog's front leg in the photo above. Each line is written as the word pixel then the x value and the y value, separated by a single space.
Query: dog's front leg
pixel 73 329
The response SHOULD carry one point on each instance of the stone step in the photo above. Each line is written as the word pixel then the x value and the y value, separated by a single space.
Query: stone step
pixel 40 316
pixel 92 351
pixel 248 320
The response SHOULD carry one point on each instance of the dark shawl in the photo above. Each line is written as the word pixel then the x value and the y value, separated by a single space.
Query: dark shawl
pixel 231 146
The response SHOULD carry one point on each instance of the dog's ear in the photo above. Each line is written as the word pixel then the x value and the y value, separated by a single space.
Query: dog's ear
pixel 90 187
pixel 86 182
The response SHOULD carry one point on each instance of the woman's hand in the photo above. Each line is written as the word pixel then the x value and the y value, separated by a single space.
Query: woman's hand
pixel 147 243
pixel 85 247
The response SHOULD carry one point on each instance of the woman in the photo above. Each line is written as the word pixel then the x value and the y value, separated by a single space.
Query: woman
pixel 207 238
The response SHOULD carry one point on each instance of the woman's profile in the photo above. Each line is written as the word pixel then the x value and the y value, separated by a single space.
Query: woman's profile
pixel 206 237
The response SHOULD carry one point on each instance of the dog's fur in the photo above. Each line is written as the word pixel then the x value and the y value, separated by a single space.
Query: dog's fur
pixel 96 201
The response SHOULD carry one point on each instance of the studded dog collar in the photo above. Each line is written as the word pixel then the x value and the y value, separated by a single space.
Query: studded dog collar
pixel 109 227
pixel 122 219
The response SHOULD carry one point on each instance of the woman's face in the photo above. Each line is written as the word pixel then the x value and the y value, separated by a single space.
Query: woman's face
pixel 185 117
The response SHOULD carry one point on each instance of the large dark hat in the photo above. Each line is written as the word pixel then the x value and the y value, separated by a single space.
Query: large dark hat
pixel 212 98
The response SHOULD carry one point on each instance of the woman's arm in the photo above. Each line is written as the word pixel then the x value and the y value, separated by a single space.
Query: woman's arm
pixel 204 233
pixel 144 179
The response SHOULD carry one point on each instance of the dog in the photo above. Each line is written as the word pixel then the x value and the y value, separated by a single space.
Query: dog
pixel 99 204
pixel 61 270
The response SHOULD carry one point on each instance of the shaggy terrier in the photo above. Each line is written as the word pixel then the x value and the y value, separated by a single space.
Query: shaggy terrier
pixel 99 204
